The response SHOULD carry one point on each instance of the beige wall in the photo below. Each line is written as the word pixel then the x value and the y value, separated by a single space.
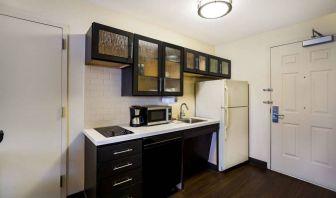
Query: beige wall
pixel 250 61
pixel 78 15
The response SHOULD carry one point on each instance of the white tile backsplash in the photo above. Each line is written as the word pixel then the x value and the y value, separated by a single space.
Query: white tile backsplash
pixel 105 106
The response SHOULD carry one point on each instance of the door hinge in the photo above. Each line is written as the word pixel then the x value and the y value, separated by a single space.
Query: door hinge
pixel 268 102
pixel 268 89
pixel 63 43
pixel 61 181
pixel 63 114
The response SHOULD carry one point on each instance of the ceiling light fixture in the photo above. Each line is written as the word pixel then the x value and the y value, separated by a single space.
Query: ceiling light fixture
pixel 212 9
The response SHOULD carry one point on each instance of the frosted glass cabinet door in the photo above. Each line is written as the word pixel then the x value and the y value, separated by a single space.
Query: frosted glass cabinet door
pixel 214 66
pixel 195 62
pixel 190 61
pixel 225 68
pixel 219 67
pixel 202 63
pixel 107 46
pixel 147 62
pixel 172 70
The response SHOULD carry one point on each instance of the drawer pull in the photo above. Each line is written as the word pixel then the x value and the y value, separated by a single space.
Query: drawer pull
pixel 124 151
pixel 123 181
pixel 123 166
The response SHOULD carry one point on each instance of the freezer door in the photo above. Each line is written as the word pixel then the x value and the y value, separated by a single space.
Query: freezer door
pixel 209 98
pixel 236 93
pixel 235 137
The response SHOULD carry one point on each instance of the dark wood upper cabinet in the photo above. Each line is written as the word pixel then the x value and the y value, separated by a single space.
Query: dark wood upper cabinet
pixel 219 67
pixel 195 62
pixel 108 46
pixel 147 66
pixel 206 65
pixel 157 69
pixel 172 70
pixel 214 66
pixel 225 68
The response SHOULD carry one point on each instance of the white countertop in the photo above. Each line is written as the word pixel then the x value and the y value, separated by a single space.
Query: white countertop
pixel 145 131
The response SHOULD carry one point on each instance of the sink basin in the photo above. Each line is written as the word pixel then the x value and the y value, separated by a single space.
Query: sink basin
pixel 191 120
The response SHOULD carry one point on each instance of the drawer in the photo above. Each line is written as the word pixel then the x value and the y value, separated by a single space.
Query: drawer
pixel 120 181
pixel 118 151
pixel 135 191
pixel 110 168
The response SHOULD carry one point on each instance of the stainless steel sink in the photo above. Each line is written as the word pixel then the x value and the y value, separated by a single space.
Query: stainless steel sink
pixel 191 120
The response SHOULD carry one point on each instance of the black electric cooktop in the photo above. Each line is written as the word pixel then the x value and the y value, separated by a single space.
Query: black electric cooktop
pixel 113 131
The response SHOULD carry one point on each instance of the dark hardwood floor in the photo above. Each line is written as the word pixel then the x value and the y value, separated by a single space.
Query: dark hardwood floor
pixel 249 181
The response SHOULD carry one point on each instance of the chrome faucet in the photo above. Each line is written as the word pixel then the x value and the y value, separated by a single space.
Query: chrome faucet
pixel 182 114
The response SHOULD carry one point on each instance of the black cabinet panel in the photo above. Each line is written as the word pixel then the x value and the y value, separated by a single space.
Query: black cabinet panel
pixel 196 148
pixel 118 166
pixel 118 151
pixel 162 160
pixel 120 182
pixel 108 46
pixel 134 191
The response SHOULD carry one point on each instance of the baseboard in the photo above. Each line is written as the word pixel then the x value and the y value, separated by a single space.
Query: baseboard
pixel 77 195
pixel 258 163
pixel 212 166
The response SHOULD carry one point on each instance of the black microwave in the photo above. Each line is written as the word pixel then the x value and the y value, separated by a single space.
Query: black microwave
pixel 156 114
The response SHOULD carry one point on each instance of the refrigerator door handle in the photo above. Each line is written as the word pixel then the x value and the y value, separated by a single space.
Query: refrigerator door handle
pixel 226 99
pixel 226 123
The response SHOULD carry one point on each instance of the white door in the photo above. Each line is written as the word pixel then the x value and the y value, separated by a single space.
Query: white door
pixel 30 109
pixel 303 142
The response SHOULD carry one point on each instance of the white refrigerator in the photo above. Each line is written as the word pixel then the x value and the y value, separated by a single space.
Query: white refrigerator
pixel 226 100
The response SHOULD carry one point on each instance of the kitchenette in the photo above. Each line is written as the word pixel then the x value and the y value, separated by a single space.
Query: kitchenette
pixel 167 99
pixel 152 117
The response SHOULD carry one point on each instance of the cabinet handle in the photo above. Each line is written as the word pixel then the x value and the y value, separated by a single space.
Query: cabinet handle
pixel 160 88
pixel 123 166
pixel 197 64
pixel 123 181
pixel 131 51
pixel 124 151
pixel 1 135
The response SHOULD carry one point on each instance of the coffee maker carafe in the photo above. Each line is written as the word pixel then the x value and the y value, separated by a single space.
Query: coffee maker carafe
pixel 136 116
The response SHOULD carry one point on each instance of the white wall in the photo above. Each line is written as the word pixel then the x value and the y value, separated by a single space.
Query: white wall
pixel 251 61
pixel 78 16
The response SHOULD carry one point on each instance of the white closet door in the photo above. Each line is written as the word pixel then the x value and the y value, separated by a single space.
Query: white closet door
pixel 30 109
pixel 304 84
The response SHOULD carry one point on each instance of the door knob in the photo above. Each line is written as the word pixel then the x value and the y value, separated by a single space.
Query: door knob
pixel 1 135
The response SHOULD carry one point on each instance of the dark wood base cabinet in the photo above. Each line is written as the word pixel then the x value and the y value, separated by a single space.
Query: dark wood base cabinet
pixel 150 167
pixel 114 170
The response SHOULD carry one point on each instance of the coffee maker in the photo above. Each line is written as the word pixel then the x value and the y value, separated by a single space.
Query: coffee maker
pixel 136 116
